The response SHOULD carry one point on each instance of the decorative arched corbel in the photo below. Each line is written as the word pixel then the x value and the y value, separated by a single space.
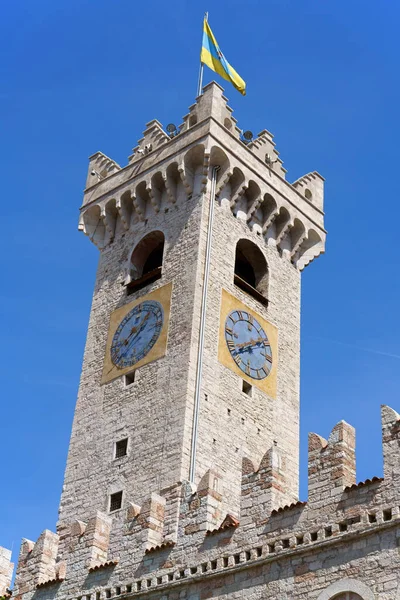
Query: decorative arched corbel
pixel 186 178
pixel 169 188
pixel 298 235
pixel 282 224
pixel 92 225
pixel 237 196
pixel 108 214
pixel 311 247
pixel 139 200
pixel 223 182
pixel 205 168
pixel 254 206
pixel 124 208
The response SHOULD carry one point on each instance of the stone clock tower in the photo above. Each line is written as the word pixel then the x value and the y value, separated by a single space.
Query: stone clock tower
pixel 182 473
pixel 192 353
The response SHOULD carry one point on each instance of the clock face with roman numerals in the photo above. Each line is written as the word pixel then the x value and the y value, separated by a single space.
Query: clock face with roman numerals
pixel 136 334
pixel 248 344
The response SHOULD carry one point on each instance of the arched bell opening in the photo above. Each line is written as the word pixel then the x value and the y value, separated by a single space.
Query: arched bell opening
pixel 251 270
pixel 146 262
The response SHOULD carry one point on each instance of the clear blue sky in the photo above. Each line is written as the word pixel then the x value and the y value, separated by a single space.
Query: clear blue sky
pixel 80 76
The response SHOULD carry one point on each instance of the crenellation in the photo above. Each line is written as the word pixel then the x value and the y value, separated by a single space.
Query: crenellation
pixel 151 519
pixel 284 529
pixel 311 186
pixel 37 562
pixel 6 570
pixel 97 538
pixel 391 443
pixel 331 464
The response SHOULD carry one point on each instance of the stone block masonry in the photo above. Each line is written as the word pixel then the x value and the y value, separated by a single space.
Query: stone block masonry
pixel 130 523
pixel 295 551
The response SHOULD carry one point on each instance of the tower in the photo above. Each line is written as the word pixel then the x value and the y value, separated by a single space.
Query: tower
pixel 150 221
pixel 182 473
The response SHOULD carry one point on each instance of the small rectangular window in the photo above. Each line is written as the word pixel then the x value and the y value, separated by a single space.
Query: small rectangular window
pixel 247 388
pixel 115 501
pixel 387 514
pixel 129 378
pixel 121 448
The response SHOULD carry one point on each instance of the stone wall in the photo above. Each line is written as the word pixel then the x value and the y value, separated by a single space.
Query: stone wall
pixel 182 544
pixel 6 570
pixel 166 187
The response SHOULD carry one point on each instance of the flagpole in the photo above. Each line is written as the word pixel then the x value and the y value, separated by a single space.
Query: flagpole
pixel 200 80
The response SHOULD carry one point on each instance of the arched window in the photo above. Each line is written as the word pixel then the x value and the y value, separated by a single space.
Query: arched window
pixel 251 270
pixel 347 589
pixel 347 596
pixel 146 261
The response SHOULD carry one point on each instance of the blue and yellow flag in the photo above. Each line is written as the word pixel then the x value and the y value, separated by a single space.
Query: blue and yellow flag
pixel 212 56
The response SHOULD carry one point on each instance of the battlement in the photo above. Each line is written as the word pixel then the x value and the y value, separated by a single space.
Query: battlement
pixel 6 570
pixel 183 532
pixel 167 169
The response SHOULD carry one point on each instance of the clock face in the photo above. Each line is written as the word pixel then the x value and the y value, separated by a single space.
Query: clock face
pixel 136 334
pixel 248 344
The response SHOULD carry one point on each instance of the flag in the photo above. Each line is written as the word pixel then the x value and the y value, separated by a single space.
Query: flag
pixel 212 56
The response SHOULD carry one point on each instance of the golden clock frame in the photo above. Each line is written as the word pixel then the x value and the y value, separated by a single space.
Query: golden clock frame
pixel 161 295
pixel 229 303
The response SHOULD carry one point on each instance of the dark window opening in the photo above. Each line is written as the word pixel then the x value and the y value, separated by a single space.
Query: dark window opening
pixel 121 448
pixel 244 269
pixel 146 261
pixel 387 514
pixel 115 501
pixel 130 378
pixel 247 388
pixel 251 271
pixel 154 260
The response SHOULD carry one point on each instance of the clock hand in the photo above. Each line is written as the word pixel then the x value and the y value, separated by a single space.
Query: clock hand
pixel 136 331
